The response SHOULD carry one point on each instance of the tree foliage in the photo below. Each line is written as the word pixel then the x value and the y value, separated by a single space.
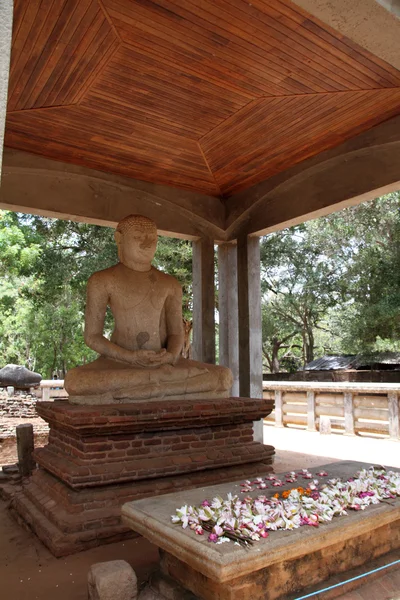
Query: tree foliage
pixel 333 284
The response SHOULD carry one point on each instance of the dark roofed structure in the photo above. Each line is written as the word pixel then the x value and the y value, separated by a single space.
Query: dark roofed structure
pixel 358 362
pixel 374 367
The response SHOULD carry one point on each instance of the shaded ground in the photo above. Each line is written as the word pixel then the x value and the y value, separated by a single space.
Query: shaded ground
pixel 29 572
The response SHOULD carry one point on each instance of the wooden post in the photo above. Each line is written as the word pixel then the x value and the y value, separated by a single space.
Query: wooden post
pixel 249 310
pixel 25 446
pixel 6 19
pixel 348 414
pixel 311 411
pixel 45 393
pixel 203 301
pixel 228 312
pixel 394 425
pixel 278 409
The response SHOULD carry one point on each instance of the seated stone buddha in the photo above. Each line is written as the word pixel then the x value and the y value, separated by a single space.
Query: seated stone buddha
pixel 142 359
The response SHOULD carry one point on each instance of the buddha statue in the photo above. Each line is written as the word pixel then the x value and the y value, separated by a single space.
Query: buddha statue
pixel 142 359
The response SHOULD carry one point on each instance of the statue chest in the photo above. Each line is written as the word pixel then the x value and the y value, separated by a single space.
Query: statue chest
pixel 143 298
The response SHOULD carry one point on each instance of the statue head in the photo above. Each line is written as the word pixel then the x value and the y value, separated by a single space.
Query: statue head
pixel 136 238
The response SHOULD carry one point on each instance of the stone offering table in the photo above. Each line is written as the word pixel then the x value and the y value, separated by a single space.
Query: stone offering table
pixel 99 457
pixel 285 562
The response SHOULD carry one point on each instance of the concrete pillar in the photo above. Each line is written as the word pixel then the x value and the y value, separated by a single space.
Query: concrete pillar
pixel 250 334
pixel 228 311
pixel 6 18
pixel 203 301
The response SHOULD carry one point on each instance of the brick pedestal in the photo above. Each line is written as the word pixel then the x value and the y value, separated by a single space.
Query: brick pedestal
pixel 98 458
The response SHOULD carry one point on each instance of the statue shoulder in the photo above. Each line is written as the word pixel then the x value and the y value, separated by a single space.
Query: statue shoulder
pixel 103 277
pixel 168 280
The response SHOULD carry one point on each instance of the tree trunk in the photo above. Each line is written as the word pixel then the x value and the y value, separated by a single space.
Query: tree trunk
pixel 310 345
pixel 187 344
pixel 275 356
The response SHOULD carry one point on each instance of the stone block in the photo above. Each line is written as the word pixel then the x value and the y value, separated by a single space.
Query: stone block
pixel 277 568
pixel 113 580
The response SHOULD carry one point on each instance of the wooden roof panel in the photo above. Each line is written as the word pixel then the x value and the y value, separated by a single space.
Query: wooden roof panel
pixel 261 45
pixel 140 87
pixel 207 95
pixel 57 47
pixel 103 141
pixel 272 134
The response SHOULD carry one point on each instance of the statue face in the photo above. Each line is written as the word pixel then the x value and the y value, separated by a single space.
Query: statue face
pixel 136 246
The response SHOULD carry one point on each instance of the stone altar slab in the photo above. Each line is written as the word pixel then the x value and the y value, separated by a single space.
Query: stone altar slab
pixel 285 562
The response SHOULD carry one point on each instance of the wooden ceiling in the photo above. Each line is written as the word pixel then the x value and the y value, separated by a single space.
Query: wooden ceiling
pixel 207 95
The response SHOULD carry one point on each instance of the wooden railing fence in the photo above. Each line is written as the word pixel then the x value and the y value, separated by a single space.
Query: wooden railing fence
pixel 352 407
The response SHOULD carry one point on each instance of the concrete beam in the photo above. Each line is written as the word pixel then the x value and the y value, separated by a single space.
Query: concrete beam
pixel 34 184
pixel 6 20
pixel 365 22
pixel 203 301
pixel 228 311
pixel 360 169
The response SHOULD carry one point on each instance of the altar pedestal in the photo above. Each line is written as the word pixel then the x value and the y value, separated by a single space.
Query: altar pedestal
pixel 280 567
pixel 98 458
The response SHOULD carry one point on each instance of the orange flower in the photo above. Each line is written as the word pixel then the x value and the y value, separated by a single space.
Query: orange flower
pixel 300 490
pixel 286 493
pixel 276 496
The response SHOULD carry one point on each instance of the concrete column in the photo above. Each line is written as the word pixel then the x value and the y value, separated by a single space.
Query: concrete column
pixel 348 414
pixel 228 311
pixel 311 411
pixel 250 335
pixel 6 18
pixel 203 301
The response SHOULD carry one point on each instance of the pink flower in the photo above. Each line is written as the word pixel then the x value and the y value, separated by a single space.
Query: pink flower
pixel 205 503
pixel 213 537
pixel 264 534
pixel 322 474
pixel 199 530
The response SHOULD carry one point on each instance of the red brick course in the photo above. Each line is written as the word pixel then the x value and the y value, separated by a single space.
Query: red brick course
pixel 98 458
pixel 153 415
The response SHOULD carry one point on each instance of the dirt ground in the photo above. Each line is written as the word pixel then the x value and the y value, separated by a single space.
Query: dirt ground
pixel 29 572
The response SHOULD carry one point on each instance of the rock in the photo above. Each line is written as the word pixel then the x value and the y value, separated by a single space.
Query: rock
pixel 18 377
pixel 113 580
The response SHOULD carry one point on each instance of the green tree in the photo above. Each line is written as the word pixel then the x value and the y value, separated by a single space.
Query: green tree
pixel 335 282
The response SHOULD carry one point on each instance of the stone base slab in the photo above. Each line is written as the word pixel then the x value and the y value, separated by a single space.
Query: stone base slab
pixel 272 569
pixel 152 415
